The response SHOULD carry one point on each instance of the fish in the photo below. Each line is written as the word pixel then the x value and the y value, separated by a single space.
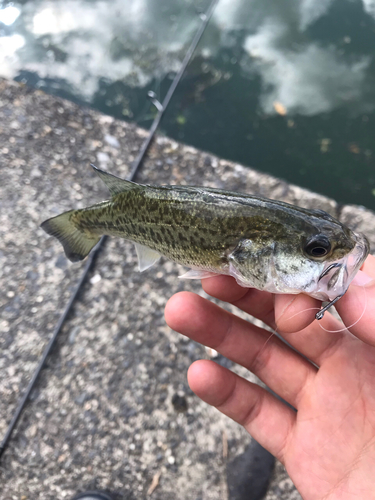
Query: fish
pixel 265 244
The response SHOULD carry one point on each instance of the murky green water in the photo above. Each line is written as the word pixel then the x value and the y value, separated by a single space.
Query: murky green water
pixel 286 87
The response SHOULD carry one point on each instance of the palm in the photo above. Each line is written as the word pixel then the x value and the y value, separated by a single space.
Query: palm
pixel 331 450
pixel 328 445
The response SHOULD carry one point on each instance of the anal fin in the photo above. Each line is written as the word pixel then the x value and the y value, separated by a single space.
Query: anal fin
pixel 146 256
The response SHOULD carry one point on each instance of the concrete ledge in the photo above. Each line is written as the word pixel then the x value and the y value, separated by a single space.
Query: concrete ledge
pixel 102 415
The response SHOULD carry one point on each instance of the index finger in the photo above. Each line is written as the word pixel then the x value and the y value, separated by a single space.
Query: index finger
pixel 356 307
pixel 254 302
pixel 293 312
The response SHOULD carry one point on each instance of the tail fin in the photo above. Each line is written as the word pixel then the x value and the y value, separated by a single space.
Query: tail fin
pixel 77 244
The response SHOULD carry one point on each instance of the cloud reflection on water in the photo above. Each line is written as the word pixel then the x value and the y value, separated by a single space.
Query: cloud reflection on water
pixel 9 14
pixel 83 43
pixel 308 80
pixel 369 6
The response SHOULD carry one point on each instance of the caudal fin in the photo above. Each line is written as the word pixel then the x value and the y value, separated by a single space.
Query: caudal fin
pixel 77 244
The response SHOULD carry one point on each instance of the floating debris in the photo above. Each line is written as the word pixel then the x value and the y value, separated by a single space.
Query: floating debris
pixel 279 108
pixel 325 145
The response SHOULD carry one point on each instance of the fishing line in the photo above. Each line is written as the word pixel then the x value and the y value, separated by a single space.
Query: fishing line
pixel 273 334
pixel 341 329
pixel 161 107
pixel 303 311
pixel 355 322
pixel 280 337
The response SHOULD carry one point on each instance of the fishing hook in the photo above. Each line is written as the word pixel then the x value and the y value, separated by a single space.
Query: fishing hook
pixel 329 268
pixel 320 314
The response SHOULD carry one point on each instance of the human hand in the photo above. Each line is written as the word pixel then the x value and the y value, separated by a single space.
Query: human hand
pixel 328 445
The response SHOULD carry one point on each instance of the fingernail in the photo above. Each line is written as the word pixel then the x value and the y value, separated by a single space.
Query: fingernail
pixel 363 279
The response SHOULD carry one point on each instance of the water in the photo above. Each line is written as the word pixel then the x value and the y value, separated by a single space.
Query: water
pixel 286 87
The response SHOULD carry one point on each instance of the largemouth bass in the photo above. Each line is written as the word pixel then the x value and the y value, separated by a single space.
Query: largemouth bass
pixel 266 244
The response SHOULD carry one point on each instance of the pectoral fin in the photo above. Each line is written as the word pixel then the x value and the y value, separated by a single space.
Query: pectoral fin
pixel 196 274
pixel 146 257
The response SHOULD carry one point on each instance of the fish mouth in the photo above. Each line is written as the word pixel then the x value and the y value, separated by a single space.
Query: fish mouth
pixel 336 277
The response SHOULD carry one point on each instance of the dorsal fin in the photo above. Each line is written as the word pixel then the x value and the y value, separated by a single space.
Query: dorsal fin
pixel 115 184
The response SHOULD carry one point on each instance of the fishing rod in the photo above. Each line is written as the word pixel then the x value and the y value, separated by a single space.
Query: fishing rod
pixel 161 108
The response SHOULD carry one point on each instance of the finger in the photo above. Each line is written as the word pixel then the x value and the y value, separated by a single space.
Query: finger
pixel 318 339
pixel 250 300
pixel 224 288
pixel 267 419
pixel 278 366
pixel 357 311
pixel 355 306
pixel 361 279
pixel 295 315
pixel 295 312
pixel 369 266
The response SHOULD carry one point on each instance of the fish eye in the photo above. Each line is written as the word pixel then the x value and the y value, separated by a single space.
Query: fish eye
pixel 319 246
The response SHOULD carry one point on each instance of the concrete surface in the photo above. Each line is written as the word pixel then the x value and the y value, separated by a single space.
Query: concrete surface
pixel 112 410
